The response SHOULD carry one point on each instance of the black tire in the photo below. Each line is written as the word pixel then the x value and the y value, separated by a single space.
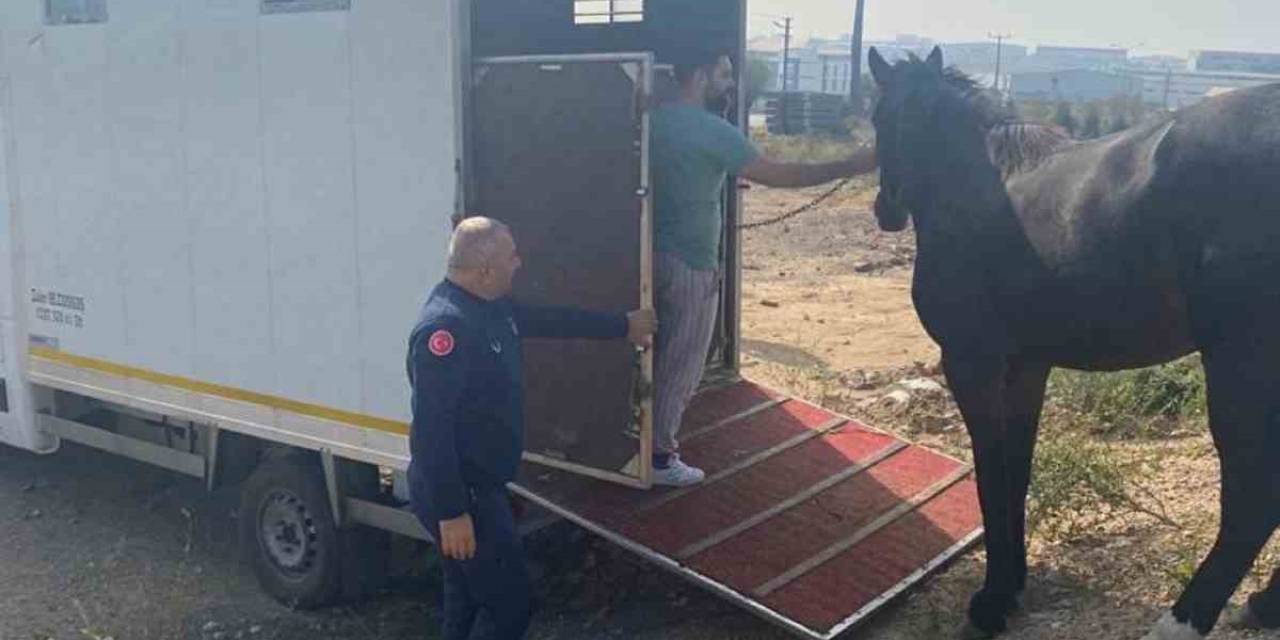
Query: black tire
pixel 287 532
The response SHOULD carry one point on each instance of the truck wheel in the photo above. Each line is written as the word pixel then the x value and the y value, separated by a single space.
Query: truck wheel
pixel 288 534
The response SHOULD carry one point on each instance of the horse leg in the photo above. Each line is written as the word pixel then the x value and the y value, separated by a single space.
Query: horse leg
pixel 1024 399
pixel 978 384
pixel 1242 383
pixel 1263 608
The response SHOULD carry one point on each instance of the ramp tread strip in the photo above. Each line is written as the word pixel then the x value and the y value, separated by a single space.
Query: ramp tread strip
pixel 865 532
pixel 832 480
pixel 821 430
pixel 747 413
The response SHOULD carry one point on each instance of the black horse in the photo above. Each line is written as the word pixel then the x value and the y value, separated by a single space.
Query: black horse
pixel 1035 252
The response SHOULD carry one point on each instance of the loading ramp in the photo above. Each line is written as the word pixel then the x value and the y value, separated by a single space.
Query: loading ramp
pixel 811 520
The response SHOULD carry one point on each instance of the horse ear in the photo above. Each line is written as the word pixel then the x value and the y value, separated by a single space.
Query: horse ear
pixel 880 70
pixel 935 59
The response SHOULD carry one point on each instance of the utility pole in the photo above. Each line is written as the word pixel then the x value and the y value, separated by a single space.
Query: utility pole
pixel 855 61
pixel 999 38
pixel 786 72
pixel 1168 80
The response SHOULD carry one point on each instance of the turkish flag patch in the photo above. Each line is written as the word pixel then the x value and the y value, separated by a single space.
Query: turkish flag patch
pixel 440 343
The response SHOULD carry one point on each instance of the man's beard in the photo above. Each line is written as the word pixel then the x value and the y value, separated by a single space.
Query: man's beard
pixel 720 104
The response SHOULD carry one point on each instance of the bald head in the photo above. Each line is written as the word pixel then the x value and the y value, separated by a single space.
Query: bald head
pixel 476 243
pixel 483 257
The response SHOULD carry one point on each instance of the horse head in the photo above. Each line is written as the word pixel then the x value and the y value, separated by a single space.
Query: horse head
pixel 906 124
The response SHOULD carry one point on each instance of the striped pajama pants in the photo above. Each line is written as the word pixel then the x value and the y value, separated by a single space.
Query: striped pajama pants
pixel 686 303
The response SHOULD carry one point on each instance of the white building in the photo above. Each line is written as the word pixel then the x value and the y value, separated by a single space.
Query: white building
pixel 1073 85
pixel 1237 61
pixel 1177 89
pixel 1050 58
pixel 979 58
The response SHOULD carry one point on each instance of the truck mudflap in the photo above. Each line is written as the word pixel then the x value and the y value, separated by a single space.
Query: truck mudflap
pixel 808 519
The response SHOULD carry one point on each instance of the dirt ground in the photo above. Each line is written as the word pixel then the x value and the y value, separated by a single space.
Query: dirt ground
pixel 96 547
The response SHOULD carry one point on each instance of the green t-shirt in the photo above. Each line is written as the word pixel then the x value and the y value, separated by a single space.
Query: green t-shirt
pixel 691 152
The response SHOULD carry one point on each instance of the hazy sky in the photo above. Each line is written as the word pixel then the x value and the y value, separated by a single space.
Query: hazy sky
pixel 1172 26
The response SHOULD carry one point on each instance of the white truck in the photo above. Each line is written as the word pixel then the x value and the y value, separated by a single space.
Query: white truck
pixel 218 219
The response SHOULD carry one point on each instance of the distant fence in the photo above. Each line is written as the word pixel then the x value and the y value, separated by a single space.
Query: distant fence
pixel 798 113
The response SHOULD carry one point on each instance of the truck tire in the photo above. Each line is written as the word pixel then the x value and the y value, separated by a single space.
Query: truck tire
pixel 288 534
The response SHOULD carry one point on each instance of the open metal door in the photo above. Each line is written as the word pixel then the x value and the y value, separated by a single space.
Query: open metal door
pixel 559 150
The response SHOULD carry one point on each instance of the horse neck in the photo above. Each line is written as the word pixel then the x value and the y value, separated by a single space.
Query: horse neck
pixel 968 194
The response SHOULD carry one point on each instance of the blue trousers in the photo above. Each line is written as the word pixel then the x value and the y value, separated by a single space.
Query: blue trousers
pixel 489 594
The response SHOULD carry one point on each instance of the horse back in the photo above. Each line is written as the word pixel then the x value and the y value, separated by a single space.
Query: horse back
pixel 1137 236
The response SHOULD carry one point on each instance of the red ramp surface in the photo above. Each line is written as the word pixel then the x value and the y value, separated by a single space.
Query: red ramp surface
pixel 808 519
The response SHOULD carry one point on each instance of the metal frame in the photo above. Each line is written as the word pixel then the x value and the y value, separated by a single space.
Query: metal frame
pixel 644 478
pixel 620 56
pixel 268 8
pixel 328 467
pixel 391 519
pixel 185 463
pixel 462 105
pixel 732 358
pixel 211 457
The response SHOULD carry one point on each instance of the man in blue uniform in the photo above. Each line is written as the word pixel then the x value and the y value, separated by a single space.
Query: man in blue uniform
pixel 464 365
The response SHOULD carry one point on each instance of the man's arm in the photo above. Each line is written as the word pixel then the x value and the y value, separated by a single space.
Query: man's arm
pixel 437 372
pixel 564 322
pixel 793 174
pixel 740 157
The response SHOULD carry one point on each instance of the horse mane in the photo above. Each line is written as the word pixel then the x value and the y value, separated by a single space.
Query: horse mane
pixel 1014 146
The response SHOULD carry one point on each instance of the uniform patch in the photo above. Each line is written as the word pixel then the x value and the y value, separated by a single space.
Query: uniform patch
pixel 440 343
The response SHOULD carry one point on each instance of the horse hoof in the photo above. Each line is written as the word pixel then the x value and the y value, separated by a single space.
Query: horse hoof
pixel 1244 618
pixel 1168 628
pixel 971 632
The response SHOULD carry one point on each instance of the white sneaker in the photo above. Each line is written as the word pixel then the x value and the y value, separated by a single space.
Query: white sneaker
pixel 678 474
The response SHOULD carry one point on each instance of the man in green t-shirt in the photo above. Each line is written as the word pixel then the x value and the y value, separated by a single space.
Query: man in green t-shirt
pixel 692 152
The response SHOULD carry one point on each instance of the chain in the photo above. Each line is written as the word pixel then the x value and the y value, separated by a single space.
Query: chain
pixel 799 210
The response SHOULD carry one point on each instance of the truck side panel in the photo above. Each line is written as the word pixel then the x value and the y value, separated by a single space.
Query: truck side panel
pixel 311 219
pixel 145 109
pixel 403 105
pixel 225 195
pixel 244 203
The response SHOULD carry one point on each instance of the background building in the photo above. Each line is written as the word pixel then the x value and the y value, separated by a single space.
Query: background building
pixel 1242 61
pixel 1177 89
pixel 1073 85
